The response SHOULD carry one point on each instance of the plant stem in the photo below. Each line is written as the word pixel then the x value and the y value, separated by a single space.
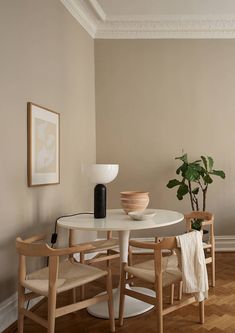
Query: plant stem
pixel 204 191
pixel 200 185
pixel 191 195
pixel 196 202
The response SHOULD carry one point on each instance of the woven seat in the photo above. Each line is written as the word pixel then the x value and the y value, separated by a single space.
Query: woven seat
pixel 146 271
pixel 70 275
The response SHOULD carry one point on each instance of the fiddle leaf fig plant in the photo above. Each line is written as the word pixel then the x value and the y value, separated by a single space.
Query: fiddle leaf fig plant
pixel 195 177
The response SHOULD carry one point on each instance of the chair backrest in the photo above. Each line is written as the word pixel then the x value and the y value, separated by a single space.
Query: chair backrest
pixel 205 216
pixel 207 219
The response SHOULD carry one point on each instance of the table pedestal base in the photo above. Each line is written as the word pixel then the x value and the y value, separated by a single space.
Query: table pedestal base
pixel 133 307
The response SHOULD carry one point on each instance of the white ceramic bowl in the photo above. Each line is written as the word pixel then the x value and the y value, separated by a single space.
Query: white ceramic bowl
pixel 144 215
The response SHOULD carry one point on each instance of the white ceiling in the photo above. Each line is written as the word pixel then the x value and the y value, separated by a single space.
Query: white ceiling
pixel 155 18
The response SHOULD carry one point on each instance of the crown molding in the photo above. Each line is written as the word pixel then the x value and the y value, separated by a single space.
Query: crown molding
pixel 159 27
pixel 80 13
pixel 101 26
pixel 98 9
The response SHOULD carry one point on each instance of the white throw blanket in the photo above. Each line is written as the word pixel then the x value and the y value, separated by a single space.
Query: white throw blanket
pixel 193 265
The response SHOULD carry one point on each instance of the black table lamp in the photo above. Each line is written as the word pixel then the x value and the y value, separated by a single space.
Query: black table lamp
pixel 101 174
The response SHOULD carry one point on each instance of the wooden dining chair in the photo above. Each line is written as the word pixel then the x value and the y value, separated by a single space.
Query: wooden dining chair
pixel 207 223
pixel 160 273
pixel 57 277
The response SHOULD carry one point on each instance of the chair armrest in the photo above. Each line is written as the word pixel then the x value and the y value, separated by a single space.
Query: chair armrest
pixel 70 250
pixel 35 238
pixel 27 248
pixel 167 243
pixel 143 245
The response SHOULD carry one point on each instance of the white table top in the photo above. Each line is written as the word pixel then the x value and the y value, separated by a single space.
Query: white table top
pixel 117 220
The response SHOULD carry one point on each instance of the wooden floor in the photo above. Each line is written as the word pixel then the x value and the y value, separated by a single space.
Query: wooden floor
pixel 219 309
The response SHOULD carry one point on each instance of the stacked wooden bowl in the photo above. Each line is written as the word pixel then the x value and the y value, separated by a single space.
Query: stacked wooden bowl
pixel 134 201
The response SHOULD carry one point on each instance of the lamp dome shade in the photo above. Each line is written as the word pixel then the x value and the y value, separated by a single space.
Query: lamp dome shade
pixel 103 173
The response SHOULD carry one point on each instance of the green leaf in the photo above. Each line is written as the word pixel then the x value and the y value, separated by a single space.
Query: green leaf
pixel 196 167
pixel 196 224
pixel 183 168
pixel 173 182
pixel 178 170
pixel 210 162
pixel 208 179
pixel 204 160
pixel 195 190
pixel 191 174
pixel 182 190
pixel 219 173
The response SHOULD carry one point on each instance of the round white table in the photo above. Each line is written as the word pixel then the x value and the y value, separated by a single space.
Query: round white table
pixel 117 220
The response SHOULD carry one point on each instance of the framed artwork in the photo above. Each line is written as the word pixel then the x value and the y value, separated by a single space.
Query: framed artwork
pixel 43 146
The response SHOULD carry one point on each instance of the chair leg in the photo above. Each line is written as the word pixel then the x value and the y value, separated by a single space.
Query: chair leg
pixel 180 289
pixel 122 294
pixel 108 261
pixel 82 292
pixel 110 301
pixel 82 288
pixel 201 312
pixel 213 269
pixel 159 300
pixel 74 295
pixel 51 311
pixel 172 294
pixel 130 263
pixel 21 299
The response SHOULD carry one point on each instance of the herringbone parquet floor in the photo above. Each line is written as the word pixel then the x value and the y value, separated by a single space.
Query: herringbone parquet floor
pixel 219 309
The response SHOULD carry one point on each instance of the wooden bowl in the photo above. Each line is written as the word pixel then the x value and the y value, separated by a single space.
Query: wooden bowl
pixel 134 201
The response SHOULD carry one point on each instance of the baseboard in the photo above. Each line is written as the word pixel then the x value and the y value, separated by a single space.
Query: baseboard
pixel 225 243
pixel 8 310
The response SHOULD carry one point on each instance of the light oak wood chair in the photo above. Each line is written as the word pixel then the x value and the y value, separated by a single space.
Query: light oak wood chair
pixel 160 272
pixel 58 277
pixel 207 223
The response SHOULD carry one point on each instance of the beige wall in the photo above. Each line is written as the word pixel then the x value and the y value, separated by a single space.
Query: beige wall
pixel 47 58
pixel 153 99
pixel 157 97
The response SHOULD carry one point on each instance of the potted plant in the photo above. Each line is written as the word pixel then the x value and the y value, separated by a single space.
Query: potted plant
pixel 195 176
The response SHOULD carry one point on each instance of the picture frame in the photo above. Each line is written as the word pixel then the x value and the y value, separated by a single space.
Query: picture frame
pixel 43 145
